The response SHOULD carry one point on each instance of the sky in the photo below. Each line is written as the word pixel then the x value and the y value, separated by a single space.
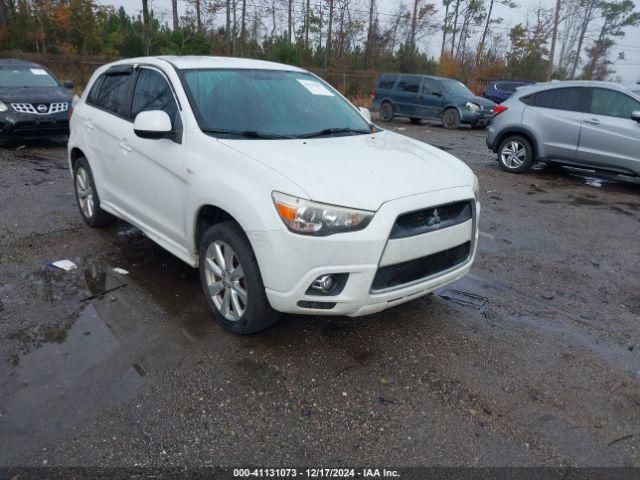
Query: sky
pixel 628 69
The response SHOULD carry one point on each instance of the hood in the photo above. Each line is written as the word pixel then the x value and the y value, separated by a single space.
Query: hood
pixel 36 94
pixel 360 171
pixel 485 103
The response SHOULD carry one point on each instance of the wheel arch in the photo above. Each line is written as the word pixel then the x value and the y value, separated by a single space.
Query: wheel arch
pixel 521 131
pixel 74 154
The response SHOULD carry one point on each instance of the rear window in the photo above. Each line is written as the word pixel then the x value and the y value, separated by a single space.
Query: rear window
pixel 113 93
pixel 508 86
pixel 568 99
pixel 386 82
pixel 409 84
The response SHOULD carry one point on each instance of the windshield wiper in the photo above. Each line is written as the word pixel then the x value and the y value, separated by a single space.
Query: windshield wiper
pixel 246 133
pixel 332 131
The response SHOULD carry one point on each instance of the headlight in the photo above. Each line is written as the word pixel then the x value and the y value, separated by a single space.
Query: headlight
pixel 313 218
pixel 3 107
pixel 476 187
pixel 472 106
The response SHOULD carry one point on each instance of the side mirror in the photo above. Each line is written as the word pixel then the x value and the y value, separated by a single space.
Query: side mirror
pixel 68 84
pixel 365 113
pixel 636 116
pixel 154 124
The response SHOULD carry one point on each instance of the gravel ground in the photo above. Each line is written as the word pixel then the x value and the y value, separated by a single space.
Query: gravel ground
pixel 533 359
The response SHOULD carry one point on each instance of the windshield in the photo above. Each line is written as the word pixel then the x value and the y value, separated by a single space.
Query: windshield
pixel 454 87
pixel 270 102
pixel 16 77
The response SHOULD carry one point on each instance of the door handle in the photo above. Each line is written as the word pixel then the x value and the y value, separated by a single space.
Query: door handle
pixel 124 145
pixel 593 121
pixel 89 125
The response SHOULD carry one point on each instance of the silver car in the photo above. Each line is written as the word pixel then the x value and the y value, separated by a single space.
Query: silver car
pixel 587 124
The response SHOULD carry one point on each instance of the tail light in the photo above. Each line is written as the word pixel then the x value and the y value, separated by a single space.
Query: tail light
pixel 373 94
pixel 498 109
pixel 70 113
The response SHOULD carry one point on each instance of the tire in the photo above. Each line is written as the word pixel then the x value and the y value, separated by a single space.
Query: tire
pixel 386 112
pixel 451 119
pixel 415 120
pixel 515 154
pixel 87 196
pixel 237 301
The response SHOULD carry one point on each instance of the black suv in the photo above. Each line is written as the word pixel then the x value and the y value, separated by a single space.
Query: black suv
pixel 32 102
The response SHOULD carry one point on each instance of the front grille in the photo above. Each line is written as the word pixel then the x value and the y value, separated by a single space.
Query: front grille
pixel 60 127
pixel 420 268
pixel 431 219
pixel 41 108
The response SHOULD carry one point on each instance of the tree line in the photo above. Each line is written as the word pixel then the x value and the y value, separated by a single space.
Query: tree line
pixel 471 41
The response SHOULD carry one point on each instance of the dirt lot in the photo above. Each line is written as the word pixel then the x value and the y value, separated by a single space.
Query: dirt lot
pixel 533 359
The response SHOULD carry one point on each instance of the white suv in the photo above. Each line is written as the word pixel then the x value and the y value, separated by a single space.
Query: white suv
pixel 286 196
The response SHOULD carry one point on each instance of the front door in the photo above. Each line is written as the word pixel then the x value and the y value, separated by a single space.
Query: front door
pixel 610 138
pixel 155 170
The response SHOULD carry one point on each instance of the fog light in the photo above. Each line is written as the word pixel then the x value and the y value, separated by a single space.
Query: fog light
pixel 324 283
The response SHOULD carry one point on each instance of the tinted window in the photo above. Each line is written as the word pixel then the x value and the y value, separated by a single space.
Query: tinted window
pixel 92 98
pixel 612 103
pixel 114 92
pixel 409 84
pixel 152 92
pixel 508 86
pixel 429 87
pixel 386 82
pixel 571 99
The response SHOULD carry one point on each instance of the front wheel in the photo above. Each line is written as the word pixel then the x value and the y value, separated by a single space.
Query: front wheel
pixel 515 154
pixel 87 196
pixel 451 119
pixel 231 280
pixel 386 112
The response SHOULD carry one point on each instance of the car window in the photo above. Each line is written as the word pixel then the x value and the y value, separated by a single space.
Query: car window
pixel 113 93
pixel 568 99
pixel 613 104
pixel 409 84
pixel 152 92
pixel 92 98
pixel 15 76
pixel 430 86
pixel 508 86
pixel 386 82
pixel 454 87
pixel 269 101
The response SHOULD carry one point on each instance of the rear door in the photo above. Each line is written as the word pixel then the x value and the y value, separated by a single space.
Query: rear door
pixel 556 117
pixel 430 100
pixel 610 138
pixel 406 94
pixel 106 123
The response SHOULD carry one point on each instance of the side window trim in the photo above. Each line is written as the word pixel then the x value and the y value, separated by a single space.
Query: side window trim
pixel 106 110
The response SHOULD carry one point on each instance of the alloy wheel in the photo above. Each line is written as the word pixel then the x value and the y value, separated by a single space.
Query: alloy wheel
pixel 226 281
pixel 85 193
pixel 513 154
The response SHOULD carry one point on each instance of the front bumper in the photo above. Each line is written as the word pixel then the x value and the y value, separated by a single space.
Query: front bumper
pixel 480 117
pixel 27 125
pixel 289 263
